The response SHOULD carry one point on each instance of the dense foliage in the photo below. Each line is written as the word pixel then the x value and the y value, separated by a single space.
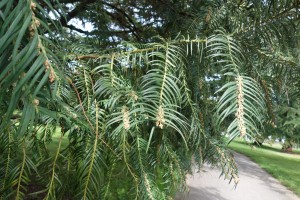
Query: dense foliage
pixel 153 87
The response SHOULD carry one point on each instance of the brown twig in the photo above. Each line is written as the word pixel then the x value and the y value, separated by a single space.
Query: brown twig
pixel 80 101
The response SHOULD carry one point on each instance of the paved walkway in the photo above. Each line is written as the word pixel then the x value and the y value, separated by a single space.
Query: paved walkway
pixel 255 184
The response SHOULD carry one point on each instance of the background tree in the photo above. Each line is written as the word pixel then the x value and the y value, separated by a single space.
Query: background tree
pixel 132 115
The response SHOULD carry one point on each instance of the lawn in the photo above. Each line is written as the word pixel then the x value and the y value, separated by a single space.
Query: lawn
pixel 53 145
pixel 283 166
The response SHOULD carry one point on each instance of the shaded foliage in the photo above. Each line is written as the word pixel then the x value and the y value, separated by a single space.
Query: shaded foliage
pixel 145 110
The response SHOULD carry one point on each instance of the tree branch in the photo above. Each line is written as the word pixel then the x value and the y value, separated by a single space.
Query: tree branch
pixel 127 24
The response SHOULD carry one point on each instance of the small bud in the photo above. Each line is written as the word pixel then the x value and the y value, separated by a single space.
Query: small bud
pixel 36 102
pixel 236 179
pixel 126 121
pixel 33 6
pixel 37 22
pixel 160 118
pixel 31 28
pixel 240 107
pixel 51 76
pixel 47 64
pixel 31 34
pixel 134 95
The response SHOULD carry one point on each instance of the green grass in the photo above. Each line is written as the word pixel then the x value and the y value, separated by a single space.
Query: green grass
pixel 283 166
pixel 53 145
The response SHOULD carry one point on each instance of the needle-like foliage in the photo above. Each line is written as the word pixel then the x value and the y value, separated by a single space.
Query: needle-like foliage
pixel 83 122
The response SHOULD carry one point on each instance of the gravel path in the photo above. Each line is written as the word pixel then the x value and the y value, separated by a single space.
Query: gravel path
pixel 255 184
